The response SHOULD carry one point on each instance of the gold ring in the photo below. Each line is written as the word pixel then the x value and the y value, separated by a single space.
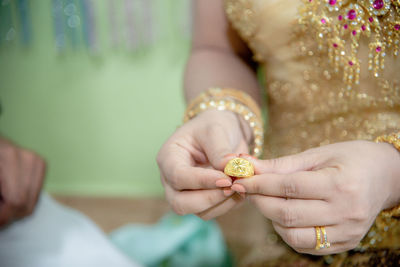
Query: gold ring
pixel 322 238
pixel 326 243
pixel 239 168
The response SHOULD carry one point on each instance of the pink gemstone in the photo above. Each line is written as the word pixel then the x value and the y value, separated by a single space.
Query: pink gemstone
pixel 397 27
pixel 345 26
pixel 323 21
pixel 352 14
pixel 371 19
pixel 378 49
pixel 335 45
pixel 363 27
pixel 351 63
pixel 378 4
pixel 354 32
pixel 340 17
pixel 332 2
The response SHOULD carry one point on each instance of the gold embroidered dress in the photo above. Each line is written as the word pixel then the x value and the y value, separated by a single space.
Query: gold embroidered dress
pixel 332 71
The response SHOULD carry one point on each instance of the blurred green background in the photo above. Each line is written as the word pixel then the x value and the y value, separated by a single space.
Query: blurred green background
pixel 100 117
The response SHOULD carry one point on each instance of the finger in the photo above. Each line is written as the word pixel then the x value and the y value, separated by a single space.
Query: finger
pixel 21 201
pixel 333 249
pixel 299 162
pixel 9 171
pixel 37 179
pixel 302 185
pixel 195 201
pixel 14 185
pixel 222 207
pixel 181 175
pixel 295 212
pixel 216 143
pixel 6 214
pixel 306 238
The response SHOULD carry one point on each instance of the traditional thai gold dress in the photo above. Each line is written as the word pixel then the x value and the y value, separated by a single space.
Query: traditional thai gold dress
pixel 332 72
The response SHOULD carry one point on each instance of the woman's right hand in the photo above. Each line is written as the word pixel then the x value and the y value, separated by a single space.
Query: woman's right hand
pixel 192 160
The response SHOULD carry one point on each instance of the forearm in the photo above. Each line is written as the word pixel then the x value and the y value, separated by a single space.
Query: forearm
pixel 215 67
pixel 219 57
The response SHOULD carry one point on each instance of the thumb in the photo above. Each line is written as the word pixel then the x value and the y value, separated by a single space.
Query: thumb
pixel 217 145
pixel 284 165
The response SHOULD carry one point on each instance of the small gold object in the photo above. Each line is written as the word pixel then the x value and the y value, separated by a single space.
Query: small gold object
pixel 325 236
pixel 318 234
pixel 322 239
pixel 239 168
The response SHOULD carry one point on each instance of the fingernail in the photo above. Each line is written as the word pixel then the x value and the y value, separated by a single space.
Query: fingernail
pixel 238 188
pixel 223 183
pixel 227 192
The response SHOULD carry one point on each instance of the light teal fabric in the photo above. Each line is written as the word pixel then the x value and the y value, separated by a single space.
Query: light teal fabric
pixel 174 241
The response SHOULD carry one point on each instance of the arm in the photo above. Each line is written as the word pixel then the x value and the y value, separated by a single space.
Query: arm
pixel 191 161
pixel 218 57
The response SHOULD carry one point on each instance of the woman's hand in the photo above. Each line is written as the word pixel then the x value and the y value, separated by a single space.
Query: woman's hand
pixel 21 179
pixel 341 186
pixel 191 163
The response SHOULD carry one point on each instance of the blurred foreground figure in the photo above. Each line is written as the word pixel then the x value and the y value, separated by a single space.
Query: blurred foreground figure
pixel 42 232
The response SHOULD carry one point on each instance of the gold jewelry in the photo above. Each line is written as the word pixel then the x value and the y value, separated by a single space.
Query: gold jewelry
pixel 340 25
pixel 326 244
pixel 232 100
pixel 394 139
pixel 322 239
pixel 239 168
pixel 318 235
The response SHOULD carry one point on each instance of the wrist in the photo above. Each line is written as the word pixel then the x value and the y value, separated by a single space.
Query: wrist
pixel 229 120
pixel 392 168
pixel 245 128
pixel 237 102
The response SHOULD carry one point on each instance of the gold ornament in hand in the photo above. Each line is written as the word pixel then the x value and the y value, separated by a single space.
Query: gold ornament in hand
pixel 239 168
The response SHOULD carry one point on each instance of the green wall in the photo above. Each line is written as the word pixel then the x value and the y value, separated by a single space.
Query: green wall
pixel 98 119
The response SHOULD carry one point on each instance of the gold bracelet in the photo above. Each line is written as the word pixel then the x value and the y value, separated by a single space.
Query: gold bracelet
pixel 393 139
pixel 232 100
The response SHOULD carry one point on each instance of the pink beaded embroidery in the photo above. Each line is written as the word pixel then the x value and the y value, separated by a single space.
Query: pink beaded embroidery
pixel 339 25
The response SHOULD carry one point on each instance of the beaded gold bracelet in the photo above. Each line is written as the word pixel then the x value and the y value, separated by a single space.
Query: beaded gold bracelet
pixel 394 139
pixel 232 100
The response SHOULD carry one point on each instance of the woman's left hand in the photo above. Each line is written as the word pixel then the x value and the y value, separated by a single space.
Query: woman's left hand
pixel 342 186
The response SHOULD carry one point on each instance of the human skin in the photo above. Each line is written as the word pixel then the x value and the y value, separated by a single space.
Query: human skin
pixel 218 58
pixel 341 186
pixel 21 177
